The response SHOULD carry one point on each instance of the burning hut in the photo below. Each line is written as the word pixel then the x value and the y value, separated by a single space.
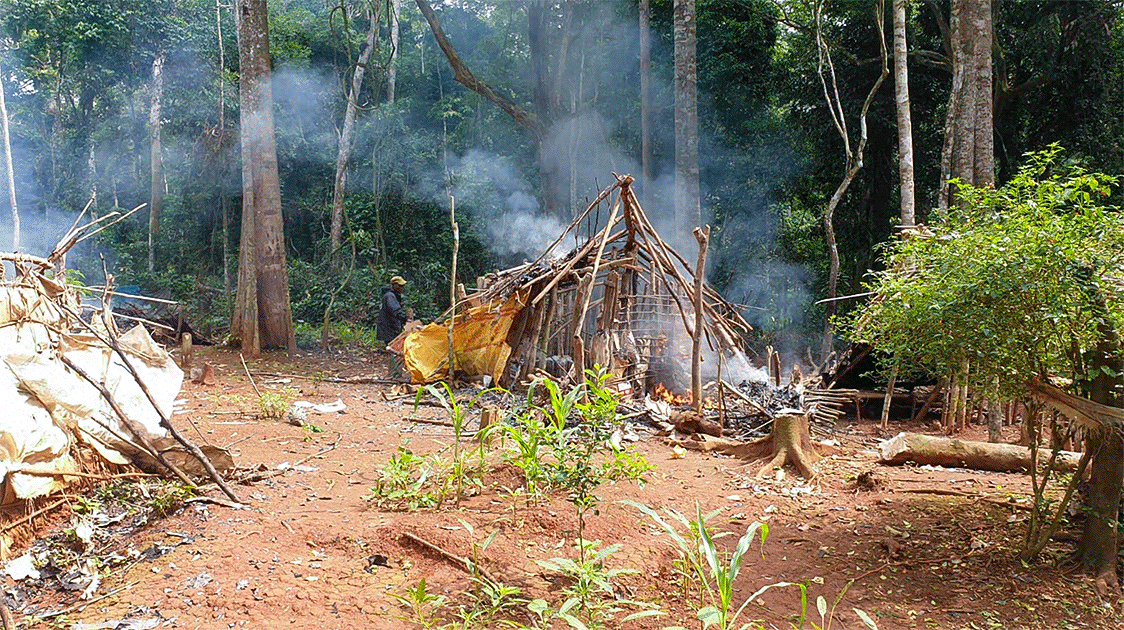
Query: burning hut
pixel 623 299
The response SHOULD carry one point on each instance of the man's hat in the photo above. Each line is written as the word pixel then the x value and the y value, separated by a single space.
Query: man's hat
pixel 398 280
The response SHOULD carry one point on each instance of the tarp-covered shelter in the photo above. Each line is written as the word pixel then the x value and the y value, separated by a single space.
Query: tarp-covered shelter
pixel 53 367
pixel 623 299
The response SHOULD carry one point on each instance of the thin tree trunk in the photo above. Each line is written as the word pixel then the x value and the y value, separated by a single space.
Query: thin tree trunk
pixel 155 125
pixel 646 91
pixel 392 67
pixel 889 398
pixel 702 235
pixel 948 405
pixel 346 132
pixel 994 414
pixel 853 159
pixel 962 397
pixel 453 285
pixel 688 210
pixel 952 114
pixel 224 203
pixel 905 125
pixel 9 169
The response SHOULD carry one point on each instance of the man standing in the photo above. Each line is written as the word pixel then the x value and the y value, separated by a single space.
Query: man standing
pixel 392 316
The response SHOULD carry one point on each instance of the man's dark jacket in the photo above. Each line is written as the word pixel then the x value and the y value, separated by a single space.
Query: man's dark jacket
pixel 392 317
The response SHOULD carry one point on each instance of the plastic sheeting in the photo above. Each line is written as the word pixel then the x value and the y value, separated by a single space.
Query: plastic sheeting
pixel 479 343
pixel 46 408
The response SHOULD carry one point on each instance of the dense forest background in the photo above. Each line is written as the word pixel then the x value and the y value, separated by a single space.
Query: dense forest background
pixel 81 78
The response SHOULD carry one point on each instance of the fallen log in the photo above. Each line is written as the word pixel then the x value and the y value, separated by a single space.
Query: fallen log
pixel 941 451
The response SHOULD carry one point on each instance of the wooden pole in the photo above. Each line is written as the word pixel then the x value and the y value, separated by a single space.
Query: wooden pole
pixel 453 283
pixel 889 399
pixel 702 235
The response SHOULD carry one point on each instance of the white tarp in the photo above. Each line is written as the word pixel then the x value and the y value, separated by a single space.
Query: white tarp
pixel 45 407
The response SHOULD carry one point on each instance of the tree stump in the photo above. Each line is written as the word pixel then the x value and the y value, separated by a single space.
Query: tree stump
pixel 791 443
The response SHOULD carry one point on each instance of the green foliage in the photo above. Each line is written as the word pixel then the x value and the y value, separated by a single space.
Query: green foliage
pixel 590 598
pixel 1005 281
pixel 406 482
pixel 273 404
pixel 423 604
pixel 554 444
pixel 689 567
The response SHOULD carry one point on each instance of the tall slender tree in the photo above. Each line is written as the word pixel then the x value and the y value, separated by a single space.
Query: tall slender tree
pixel 853 156
pixel 9 169
pixel 905 124
pixel 646 90
pixel 262 314
pixel 347 130
pixel 392 65
pixel 688 210
pixel 156 151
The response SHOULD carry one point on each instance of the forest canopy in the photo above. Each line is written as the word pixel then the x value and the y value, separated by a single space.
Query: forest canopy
pixel 82 78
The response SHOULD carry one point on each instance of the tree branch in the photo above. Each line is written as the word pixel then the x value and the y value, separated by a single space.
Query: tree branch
pixel 465 77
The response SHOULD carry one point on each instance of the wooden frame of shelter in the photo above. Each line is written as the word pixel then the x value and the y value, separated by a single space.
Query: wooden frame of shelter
pixel 618 301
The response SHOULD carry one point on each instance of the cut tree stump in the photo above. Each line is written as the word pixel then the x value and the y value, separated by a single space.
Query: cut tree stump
pixel 941 451
pixel 789 443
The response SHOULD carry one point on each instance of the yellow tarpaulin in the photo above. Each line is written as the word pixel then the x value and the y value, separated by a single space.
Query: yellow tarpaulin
pixel 479 343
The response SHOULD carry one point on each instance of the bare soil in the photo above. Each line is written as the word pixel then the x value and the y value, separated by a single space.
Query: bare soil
pixel 920 547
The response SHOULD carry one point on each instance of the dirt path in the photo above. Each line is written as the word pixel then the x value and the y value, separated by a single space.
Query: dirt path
pixel 926 548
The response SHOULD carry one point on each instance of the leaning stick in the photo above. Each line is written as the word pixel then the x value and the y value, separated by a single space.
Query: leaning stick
pixel 252 383
pixel 601 197
pixel 133 428
pixel 469 566
pixel 453 285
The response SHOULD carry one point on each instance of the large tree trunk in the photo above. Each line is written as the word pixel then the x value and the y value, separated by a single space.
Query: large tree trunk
pixel 9 169
pixel 1097 550
pixel 646 91
pixel 688 210
pixel 968 152
pixel 346 132
pixel 155 125
pixel 274 319
pixel 905 124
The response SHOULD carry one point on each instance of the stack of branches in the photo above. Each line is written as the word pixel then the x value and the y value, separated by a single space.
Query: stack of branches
pixel 616 300
pixel 39 293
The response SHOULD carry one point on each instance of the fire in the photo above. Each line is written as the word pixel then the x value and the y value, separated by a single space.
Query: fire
pixel 661 392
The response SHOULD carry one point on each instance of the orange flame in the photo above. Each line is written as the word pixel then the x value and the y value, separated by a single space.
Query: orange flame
pixel 663 393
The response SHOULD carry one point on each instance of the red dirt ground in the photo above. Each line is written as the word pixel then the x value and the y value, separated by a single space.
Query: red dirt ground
pixel 925 548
